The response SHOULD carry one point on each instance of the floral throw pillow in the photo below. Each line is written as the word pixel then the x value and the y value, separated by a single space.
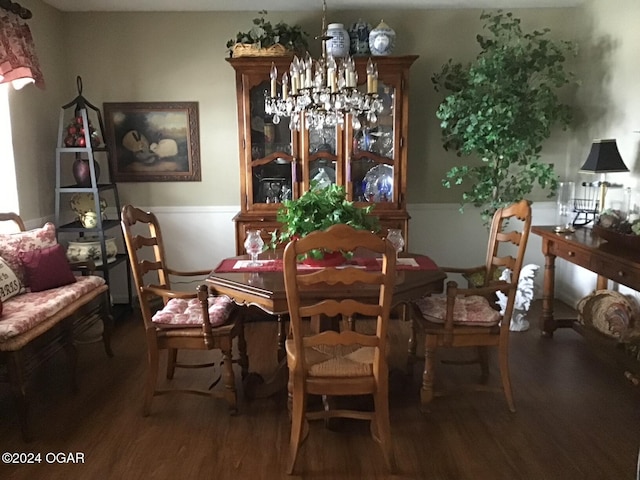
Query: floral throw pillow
pixel 10 286
pixel 11 244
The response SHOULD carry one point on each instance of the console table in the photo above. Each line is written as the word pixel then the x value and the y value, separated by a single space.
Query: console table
pixel 589 251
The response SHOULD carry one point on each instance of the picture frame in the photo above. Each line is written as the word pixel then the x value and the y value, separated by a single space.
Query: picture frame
pixel 153 141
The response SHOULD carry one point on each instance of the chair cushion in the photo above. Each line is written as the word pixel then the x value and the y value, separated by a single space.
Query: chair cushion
pixel 181 312
pixel 472 310
pixel 10 285
pixel 11 244
pixel 335 360
pixel 47 268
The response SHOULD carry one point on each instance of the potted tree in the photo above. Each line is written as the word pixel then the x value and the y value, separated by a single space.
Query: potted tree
pixel 266 39
pixel 318 209
pixel 501 107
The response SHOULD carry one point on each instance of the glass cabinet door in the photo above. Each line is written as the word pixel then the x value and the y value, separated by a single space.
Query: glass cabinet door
pixel 273 165
pixel 372 168
pixel 322 157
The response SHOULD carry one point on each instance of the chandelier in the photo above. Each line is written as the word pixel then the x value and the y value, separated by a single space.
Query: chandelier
pixel 322 93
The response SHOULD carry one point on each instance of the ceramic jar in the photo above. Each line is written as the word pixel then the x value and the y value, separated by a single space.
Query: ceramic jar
pixel 359 37
pixel 89 247
pixel 382 39
pixel 338 44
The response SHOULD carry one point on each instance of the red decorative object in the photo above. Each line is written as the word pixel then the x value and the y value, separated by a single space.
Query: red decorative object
pixel 330 259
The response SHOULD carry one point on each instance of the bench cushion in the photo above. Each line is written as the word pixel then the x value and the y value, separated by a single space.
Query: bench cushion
pixel 25 312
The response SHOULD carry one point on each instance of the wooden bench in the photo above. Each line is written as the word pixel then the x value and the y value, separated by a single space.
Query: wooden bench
pixel 35 326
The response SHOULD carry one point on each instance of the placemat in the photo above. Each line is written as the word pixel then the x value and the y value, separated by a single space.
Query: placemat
pixel 232 265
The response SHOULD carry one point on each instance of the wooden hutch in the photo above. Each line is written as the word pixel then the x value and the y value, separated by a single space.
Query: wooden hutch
pixel 279 163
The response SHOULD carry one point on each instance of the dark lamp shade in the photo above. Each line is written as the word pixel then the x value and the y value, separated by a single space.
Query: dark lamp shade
pixel 604 157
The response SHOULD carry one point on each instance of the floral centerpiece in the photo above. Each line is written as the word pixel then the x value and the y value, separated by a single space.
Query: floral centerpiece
pixel 266 39
pixel 318 209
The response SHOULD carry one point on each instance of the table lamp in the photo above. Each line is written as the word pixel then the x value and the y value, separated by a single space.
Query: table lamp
pixel 604 158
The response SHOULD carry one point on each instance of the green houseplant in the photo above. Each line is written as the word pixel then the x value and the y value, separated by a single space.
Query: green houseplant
pixel 501 107
pixel 264 37
pixel 318 209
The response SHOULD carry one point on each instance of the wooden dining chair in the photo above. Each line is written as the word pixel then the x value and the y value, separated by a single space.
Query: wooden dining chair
pixel 338 363
pixel 469 317
pixel 186 320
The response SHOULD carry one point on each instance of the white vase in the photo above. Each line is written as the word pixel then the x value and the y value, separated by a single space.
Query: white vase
pixel 382 39
pixel 338 44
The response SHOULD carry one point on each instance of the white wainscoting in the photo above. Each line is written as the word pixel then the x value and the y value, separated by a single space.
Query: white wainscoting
pixel 200 237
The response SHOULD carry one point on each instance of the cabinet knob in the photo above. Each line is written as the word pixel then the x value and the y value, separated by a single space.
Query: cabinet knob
pixel 572 254
pixel 621 273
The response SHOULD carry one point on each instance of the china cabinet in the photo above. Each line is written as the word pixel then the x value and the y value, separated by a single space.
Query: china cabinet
pixel 279 163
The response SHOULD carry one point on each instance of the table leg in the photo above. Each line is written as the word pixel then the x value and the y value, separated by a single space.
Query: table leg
pixel 547 322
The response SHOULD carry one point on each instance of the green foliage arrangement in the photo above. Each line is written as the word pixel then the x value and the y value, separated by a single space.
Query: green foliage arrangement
pixel 502 107
pixel 265 35
pixel 318 209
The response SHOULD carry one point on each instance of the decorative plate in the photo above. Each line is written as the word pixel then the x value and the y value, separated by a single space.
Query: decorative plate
pixel 82 203
pixel 378 184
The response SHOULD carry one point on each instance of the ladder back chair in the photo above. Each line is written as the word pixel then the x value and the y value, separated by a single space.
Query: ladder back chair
pixel 337 363
pixel 469 317
pixel 186 320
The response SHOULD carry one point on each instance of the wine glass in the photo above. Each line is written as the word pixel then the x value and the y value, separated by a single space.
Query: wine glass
pixel 394 236
pixel 254 245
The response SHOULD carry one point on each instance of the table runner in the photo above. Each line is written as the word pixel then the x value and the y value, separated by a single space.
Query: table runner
pixel 232 265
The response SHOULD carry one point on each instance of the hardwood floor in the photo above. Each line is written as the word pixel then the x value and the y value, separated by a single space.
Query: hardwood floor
pixel 577 418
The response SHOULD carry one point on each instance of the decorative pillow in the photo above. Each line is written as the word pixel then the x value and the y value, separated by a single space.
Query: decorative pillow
pixel 11 244
pixel 9 283
pixel 180 312
pixel 47 268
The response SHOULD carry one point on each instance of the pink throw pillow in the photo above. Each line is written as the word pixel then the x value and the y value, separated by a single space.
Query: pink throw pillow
pixel 47 268
pixel 12 244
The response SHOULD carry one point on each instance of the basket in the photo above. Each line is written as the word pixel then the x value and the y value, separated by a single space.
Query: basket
pixel 252 50
pixel 618 239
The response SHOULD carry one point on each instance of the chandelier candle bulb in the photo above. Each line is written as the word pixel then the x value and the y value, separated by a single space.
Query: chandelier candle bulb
pixel 273 75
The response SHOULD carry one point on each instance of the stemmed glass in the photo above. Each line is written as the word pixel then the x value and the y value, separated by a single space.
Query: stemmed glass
pixel 394 235
pixel 254 245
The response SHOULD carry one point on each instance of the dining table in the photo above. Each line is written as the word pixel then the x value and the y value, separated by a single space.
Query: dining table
pixel 261 284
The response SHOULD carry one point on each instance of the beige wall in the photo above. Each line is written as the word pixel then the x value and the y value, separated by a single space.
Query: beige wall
pixel 180 57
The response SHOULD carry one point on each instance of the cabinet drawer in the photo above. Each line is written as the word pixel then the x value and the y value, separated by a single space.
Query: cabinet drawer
pixel 574 255
pixel 617 271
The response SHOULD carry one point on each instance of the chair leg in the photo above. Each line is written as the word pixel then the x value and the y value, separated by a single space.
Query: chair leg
pixel 152 376
pixel 172 358
pixel 483 358
pixel 503 354
pixel 426 392
pixel 230 393
pixel 18 381
pixel 298 422
pixel 243 359
pixel 381 428
pixel 411 347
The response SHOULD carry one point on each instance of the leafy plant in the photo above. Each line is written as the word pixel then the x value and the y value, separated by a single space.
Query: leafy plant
pixel 502 107
pixel 265 35
pixel 318 209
